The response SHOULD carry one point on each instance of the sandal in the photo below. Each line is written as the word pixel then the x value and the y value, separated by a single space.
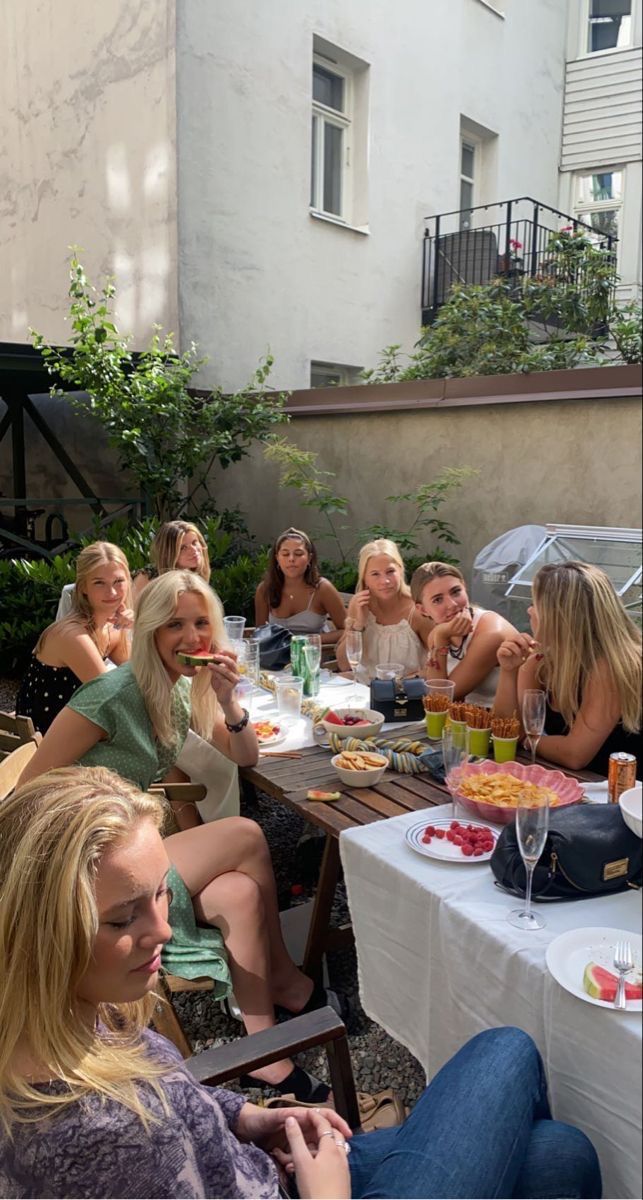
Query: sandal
pixel 381 1110
pixel 306 1088
pixel 320 997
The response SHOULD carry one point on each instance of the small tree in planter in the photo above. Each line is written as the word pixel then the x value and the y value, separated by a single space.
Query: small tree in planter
pixel 162 435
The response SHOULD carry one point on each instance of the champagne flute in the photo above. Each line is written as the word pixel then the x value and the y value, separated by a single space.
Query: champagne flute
pixel 533 719
pixel 354 648
pixel 532 823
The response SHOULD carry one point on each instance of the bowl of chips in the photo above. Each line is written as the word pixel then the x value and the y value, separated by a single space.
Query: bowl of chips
pixel 490 790
pixel 359 769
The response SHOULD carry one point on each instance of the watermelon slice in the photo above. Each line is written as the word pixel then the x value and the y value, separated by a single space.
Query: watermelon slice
pixel 315 794
pixel 601 984
pixel 196 660
pixel 333 719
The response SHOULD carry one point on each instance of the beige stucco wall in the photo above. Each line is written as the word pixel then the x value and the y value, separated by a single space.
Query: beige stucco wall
pixel 575 462
pixel 87 158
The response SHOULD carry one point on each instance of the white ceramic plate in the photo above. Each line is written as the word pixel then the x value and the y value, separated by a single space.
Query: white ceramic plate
pixel 275 737
pixel 568 955
pixel 440 847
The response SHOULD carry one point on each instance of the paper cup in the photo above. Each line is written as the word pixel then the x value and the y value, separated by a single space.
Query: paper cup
pixel 435 722
pixel 478 741
pixel 504 749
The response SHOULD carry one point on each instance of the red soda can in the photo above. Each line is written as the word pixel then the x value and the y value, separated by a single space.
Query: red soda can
pixel 621 775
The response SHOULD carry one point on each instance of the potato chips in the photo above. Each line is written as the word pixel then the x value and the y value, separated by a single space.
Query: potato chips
pixel 503 790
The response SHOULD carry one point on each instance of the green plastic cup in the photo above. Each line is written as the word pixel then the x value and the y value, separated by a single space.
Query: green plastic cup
pixel 504 749
pixel 435 722
pixel 478 741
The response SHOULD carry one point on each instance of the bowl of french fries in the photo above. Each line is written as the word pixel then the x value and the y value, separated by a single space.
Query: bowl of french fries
pixel 357 768
pixel 490 790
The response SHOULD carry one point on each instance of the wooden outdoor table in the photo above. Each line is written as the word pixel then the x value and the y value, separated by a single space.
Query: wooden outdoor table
pixel 288 780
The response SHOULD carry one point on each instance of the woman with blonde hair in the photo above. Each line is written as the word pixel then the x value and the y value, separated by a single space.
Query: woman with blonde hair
pixel 176 546
pixel 93 1103
pixel 75 649
pixel 463 639
pixel 383 611
pixel 134 720
pixel 585 654
pixel 294 594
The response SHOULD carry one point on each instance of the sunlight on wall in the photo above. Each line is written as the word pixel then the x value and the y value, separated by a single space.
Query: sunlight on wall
pixel 117 179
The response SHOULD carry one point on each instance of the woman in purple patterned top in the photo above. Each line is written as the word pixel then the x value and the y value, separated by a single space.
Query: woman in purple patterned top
pixel 92 1104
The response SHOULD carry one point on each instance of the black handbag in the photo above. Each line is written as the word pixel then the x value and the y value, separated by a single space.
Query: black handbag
pixel 274 646
pixel 398 699
pixel 589 852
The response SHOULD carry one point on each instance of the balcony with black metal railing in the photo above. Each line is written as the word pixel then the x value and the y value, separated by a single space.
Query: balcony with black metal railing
pixel 511 239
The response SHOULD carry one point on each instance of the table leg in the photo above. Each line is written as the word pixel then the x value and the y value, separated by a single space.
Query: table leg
pixel 320 919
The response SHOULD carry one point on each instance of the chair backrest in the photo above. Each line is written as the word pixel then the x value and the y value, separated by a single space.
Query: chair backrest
pixel 14 732
pixel 12 766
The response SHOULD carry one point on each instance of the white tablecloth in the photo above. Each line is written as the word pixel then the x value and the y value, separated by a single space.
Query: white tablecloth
pixel 438 962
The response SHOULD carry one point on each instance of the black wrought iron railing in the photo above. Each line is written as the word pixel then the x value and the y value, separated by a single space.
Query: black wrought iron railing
pixel 511 238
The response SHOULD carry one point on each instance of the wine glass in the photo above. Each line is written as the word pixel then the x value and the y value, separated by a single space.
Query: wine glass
pixel 354 648
pixel 533 719
pixel 532 823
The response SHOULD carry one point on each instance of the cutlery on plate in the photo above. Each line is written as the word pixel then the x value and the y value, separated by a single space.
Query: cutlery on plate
pixel 623 963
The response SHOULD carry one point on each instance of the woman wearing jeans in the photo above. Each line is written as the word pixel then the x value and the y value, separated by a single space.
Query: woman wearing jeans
pixel 93 1104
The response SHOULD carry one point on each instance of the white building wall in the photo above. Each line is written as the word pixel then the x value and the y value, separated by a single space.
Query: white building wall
pixel 602 128
pixel 256 270
pixel 87 158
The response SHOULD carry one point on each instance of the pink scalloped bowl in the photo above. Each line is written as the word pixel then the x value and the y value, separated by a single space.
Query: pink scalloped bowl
pixel 568 791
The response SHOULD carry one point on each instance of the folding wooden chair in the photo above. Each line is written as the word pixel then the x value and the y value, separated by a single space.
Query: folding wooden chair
pixel 15 731
pixel 13 764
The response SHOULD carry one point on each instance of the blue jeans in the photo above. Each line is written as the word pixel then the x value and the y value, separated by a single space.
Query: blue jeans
pixel 481 1128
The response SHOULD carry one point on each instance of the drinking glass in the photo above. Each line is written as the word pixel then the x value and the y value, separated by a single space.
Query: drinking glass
pixel 533 719
pixel 532 823
pixel 248 660
pixel 234 627
pixel 454 754
pixel 389 671
pixel 354 649
pixel 289 690
pixel 312 651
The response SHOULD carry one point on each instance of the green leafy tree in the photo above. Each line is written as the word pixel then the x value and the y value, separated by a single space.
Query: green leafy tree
pixel 564 317
pixel 168 438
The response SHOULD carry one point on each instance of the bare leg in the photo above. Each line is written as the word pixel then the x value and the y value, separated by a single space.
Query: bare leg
pixel 233 903
pixel 202 855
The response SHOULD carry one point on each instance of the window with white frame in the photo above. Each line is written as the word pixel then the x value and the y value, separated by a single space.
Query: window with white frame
pixel 599 200
pixel 609 25
pixel 331 130
pixel 467 181
pixel 324 374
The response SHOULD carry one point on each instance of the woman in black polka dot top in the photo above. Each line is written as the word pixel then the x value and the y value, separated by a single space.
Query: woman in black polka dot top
pixel 74 650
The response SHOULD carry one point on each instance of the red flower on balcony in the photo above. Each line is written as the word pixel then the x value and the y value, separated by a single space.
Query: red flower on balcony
pixel 514 244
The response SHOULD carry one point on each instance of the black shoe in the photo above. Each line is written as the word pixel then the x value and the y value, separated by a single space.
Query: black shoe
pixel 320 997
pixel 299 1083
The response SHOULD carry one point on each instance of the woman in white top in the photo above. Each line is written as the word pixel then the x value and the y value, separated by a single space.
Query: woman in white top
pixel 464 639
pixel 293 594
pixel 383 610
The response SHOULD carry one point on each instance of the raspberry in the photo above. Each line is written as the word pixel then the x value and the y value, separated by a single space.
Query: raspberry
pixel 450 835
pixel 454 825
pixel 478 851
pixel 439 833
pixel 430 829
pixel 426 837
pixel 467 850
pixel 457 841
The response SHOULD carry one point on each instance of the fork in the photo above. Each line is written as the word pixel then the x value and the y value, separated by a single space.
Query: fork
pixel 623 963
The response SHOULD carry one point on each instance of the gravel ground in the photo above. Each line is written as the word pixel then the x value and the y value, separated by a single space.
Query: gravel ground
pixel 378 1060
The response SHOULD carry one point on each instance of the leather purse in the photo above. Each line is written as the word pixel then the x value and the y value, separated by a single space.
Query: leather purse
pixel 589 852
pixel 398 699
pixel 274 646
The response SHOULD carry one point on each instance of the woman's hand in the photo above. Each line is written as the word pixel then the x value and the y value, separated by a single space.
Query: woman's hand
pixel 358 607
pixel 515 651
pixel 459 626
pixel 224 676
pixel 123 618
pixel 266 1127
pixel 319 1156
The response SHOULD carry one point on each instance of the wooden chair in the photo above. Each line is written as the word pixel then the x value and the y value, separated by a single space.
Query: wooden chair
pixel 12 766
pixel 320 1028
pixel 15 731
